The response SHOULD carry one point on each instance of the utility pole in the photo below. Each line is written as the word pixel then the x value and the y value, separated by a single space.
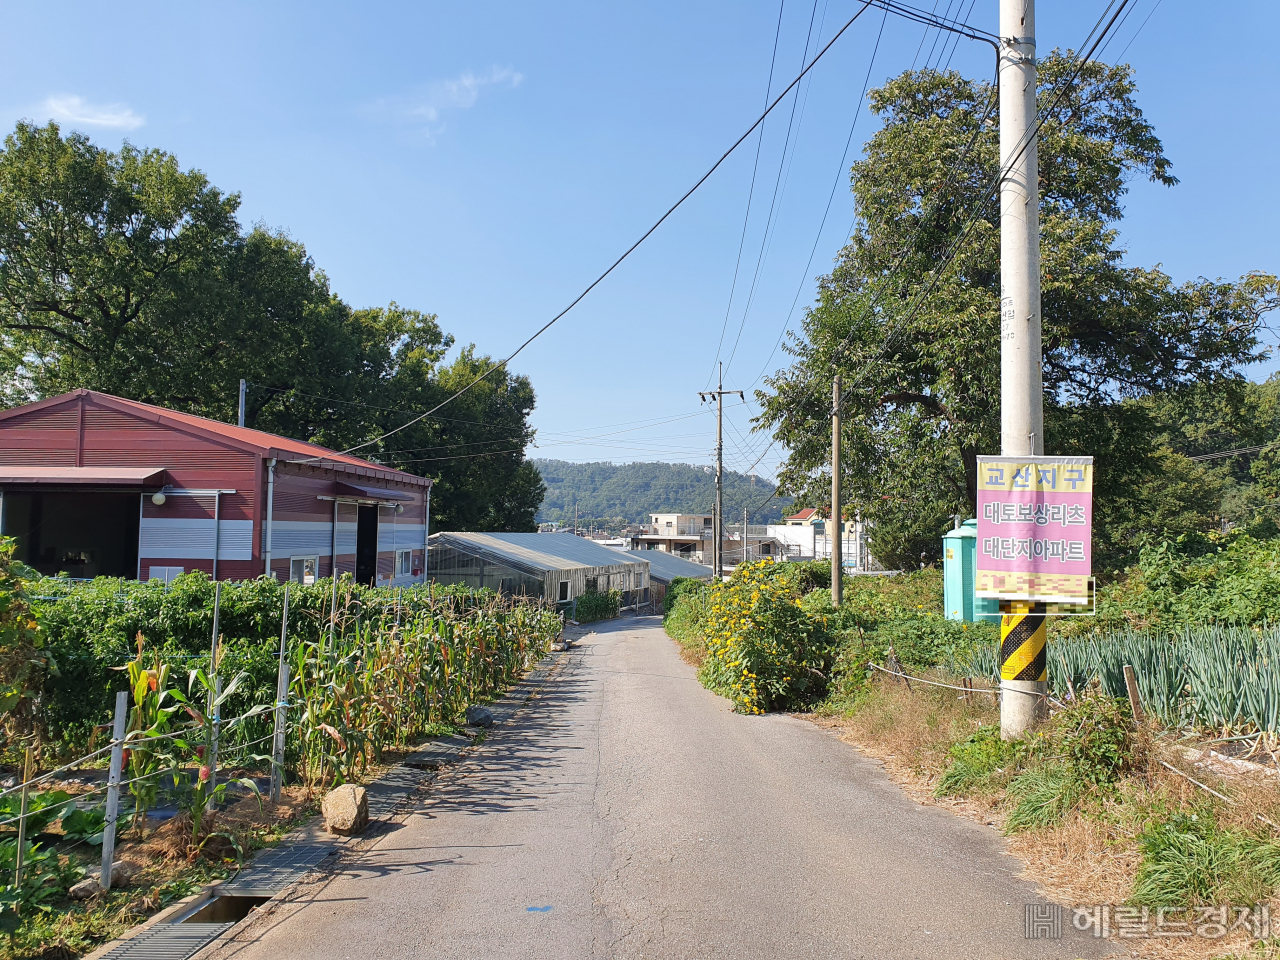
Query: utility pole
pixel 240 420
pixel 745 557
pixel 1022 702
pixel 717 524
pixel 834 530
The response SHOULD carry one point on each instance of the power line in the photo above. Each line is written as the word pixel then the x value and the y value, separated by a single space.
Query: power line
pixel 742 241
pixel 782 162
pixel 1138 31
pixel 578 299
pixel 830 198
pixel 1239 451
pixel 949 256
pixel 981 207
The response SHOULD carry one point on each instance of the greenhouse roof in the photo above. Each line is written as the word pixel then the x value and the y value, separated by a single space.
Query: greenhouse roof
pixel 543 551
pixel 666 567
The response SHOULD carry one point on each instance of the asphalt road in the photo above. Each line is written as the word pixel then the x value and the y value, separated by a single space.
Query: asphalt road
pixel 628 813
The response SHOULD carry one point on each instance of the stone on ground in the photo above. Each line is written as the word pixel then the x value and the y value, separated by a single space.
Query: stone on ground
pixel 346 809
pixel 479 717
pixel 89 887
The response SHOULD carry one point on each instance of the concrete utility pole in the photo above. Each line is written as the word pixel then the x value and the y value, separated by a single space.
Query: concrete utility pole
pixel 717 524
pixel 834 530
pixel 240 421
pixel 1022 702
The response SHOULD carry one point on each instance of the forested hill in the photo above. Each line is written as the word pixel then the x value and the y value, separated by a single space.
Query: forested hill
pixel 631 491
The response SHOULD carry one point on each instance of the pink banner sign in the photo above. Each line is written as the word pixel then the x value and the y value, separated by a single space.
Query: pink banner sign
pixel 1035 525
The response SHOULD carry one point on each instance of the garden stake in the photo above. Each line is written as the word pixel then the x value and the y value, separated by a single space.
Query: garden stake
pixel 211 703
pixel 22 821
pixel 282 697
pixel 113 789
pixel 1131 684
pixel 214 729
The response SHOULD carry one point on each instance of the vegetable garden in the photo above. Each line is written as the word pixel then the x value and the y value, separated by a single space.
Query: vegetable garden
pixel 369 670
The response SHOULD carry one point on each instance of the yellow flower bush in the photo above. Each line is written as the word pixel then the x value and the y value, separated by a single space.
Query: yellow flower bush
pixel 764 651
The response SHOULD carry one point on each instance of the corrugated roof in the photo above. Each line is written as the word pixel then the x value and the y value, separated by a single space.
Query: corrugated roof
pixel 667 566
pixel 266 444
pixel 544 551
pixel 804 514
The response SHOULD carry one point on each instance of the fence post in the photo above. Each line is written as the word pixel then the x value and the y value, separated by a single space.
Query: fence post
pixel 1131 684
pixel 213 707
pixel 282 699
pixel 22 821
pixel 113 789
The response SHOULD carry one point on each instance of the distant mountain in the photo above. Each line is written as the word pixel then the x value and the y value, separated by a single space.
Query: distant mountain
pixel 630 492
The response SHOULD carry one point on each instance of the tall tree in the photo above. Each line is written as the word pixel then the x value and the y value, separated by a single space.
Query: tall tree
pixel 124 273
pixel 910 314
pixel 94 247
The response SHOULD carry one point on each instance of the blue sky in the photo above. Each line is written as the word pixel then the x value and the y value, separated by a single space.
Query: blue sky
pixel 485 161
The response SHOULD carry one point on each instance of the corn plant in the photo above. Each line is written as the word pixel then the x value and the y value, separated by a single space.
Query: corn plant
pixel 375 683
pixel 149 720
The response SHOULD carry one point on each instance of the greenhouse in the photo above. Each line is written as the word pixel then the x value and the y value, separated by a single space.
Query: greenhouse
pixel 557 567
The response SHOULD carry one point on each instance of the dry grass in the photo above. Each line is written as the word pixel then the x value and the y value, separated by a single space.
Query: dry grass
pixel 1092 856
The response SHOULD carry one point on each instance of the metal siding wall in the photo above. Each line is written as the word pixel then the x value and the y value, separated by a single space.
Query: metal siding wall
pixel 195 539
pixel 42 438
pixel 302 538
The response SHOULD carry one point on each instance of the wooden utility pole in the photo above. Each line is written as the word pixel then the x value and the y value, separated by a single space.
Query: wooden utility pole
pixel 834 531
pixel 717 524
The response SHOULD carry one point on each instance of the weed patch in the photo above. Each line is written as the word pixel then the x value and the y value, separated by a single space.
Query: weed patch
pixel 1190 860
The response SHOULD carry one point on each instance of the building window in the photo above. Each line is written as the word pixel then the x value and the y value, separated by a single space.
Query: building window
pixel 593 584
pixel 706 521
pixel 766 549
pixel 303 569
pixel 564 591
pixel 404 563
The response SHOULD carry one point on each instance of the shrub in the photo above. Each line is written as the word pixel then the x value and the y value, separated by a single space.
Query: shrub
pixel 678 588
pixel 23 659
pixel 764 651
pixel 1082 751
pixel 597 606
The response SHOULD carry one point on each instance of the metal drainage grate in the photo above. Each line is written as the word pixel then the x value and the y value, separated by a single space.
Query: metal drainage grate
pixel 169 941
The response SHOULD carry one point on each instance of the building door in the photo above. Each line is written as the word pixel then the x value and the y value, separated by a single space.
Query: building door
pixel 366 544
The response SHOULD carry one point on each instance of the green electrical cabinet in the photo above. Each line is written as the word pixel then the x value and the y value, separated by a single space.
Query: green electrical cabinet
pixel 959 563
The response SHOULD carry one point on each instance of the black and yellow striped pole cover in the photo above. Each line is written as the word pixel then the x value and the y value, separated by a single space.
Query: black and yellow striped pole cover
pixel 1022 641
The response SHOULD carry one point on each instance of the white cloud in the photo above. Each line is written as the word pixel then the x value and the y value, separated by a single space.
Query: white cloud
pixel 68 108
pixel 439 96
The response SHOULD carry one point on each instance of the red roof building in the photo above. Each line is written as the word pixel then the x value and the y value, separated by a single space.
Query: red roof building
pixel 95 485
pixel 806 517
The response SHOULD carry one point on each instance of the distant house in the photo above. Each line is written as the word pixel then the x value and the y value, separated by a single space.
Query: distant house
pixel 556 567
pixel 807 517
pixel 682 534
pixel 95 485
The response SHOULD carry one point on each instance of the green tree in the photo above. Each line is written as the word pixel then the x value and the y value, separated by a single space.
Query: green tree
pixel 475 448
pixel 916 335
pixel 94 249
pixel 122 272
